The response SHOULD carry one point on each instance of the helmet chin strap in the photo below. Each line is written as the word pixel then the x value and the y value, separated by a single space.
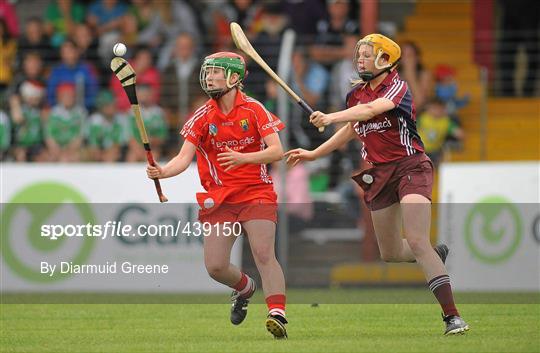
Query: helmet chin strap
pixel 367 76
pixel 220 93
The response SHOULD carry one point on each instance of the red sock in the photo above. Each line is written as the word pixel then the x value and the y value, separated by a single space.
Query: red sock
pixel 440 286
pixel 245 287
pixel 242 283
pixel 276 304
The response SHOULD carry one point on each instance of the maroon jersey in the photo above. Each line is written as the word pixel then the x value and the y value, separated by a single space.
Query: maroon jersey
pixel 391 135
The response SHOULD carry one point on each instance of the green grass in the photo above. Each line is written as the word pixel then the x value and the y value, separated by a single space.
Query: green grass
pixel 326 328
pixel 352 295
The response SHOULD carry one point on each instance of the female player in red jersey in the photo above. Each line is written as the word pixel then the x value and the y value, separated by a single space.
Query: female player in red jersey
pixel 234 137
pixel 397 189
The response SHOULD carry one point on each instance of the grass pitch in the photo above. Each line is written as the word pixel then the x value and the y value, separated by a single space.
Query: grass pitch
pixel 324 328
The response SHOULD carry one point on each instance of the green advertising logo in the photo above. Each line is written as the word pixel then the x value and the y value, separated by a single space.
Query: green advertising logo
pixel 493 229
pixel 41 201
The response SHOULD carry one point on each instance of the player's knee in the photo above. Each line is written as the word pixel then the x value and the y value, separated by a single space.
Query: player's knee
pixel 215 270
pixel 388 256
pixel 263 255
pixel 419 246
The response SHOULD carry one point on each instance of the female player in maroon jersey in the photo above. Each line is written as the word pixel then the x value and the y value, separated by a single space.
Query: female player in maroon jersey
pixel 234 137
pixel 397 189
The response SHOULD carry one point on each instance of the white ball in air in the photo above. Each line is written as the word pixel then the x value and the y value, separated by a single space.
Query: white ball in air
pixel 119 49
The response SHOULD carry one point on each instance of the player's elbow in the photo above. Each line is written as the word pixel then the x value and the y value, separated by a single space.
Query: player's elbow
pixel 369 112
pixel 277 153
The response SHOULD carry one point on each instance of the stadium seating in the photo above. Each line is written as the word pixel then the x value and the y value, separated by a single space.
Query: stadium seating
pixel 445 35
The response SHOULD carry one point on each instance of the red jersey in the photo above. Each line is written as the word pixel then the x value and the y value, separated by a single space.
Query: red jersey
pixel 242 130
pixel 391 135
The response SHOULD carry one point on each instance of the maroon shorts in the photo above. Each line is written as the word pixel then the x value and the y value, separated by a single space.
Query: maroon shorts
pixel 387 183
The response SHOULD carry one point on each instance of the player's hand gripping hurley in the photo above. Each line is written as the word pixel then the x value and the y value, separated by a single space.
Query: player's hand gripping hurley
pixel 244 45
pixel 125 73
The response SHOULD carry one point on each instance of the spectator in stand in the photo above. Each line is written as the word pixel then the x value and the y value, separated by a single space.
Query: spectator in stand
pixel 271 88
pixel 9 16
pixel 446 89
pixel 35 40
pixel 72 70
pixel 32 75
pixel 246 13
pixel 341 75
pixel 88 49
pixel 31 70
pixel 154 122
pixel 412 71
pixel 267 42
pixel 86 42
pixel 329 46
pixel 268 39
pixel 180 84
pixel 309 78
pixel 106 15
pixel 147 73
pixel 435 126
pixel 520 27
pixel 146 19
pixel 5 135
pixel 304 15
pixel 127 34
pixel 177 17
pixel 27 115
pixel 64 128
pixel 105 132
pixel 60 19
pixel 297 133
pixel 8 52
pixel 106 18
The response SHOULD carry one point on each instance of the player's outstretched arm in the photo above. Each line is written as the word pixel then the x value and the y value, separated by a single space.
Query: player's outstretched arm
pixel 273 152
pixel 176 165
pixel 359 112
pixel 340 138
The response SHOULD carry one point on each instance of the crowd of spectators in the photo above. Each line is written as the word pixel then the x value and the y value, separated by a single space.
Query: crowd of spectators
pixel 59 101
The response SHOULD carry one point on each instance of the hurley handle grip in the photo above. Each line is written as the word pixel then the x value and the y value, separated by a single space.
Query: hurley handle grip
pixel 308 110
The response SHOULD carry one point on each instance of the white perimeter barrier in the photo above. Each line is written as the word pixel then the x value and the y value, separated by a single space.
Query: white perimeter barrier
pixel 99 193
pixel 489 215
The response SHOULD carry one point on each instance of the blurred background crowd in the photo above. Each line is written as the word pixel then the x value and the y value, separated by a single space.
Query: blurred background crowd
pixel 59 101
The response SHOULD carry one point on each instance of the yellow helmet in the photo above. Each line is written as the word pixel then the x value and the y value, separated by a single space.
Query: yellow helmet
pixel 381 45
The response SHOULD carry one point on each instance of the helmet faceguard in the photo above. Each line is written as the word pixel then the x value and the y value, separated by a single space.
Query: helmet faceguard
pixel 230 63
pixel 381 46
